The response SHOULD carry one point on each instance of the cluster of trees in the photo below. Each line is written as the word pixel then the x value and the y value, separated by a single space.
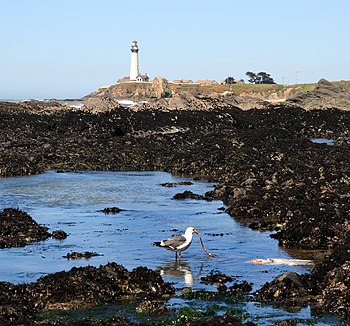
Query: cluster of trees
pixel 259 78
pixel 230 81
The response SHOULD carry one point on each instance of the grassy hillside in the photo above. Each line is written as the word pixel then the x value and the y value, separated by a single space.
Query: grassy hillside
pixel 275 91
pixel 345 84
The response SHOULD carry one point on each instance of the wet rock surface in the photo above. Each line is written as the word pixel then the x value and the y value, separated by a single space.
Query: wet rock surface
pixel 326 289
pixel 330 282
pixel 288 289
pixel 189 194
pixel 31 106
pixel 217 320
pixel 79 288
pixel 221 280
pixel 175 184
pixel 18 229
pixel 111 210
pixel 59 234
pixel 216 278
pixel 81 255
pixel 270 174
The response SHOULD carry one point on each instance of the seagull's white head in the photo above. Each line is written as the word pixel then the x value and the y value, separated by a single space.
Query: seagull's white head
pixel 191 230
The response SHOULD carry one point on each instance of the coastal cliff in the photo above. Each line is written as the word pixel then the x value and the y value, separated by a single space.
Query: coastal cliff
pixel 323 94
pixel 161 88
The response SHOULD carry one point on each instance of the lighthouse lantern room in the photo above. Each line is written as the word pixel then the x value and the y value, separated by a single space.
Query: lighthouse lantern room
pixel 134 67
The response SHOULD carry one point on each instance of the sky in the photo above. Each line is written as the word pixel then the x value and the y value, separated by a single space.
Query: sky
pixel 68 48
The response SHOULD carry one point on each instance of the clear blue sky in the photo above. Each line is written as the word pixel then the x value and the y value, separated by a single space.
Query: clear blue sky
pixel 68 48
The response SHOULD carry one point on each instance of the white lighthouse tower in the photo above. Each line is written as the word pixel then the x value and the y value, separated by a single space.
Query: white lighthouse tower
pixel 134 67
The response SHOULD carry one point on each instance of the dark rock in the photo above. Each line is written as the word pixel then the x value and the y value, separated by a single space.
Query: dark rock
pixel 270 175
pixel 288 289
pixel 80 255
pixel 111 210
pixel 225 320
pixel 330 282
pixel 334 296
pixel 81 287
pixel 189 194
pixel 175 184
pixel 243 287
pixel 11 306
pixel 59 235
pixel 216 278
pixel 222 288
pixel 150 307
pixel 18 229
pixel 112 321
pixel 145 280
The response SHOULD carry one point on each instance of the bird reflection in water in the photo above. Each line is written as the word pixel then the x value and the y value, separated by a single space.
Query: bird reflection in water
pixel 178 269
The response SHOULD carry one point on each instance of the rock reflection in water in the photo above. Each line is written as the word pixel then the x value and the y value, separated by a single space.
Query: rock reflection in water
pixel 178 270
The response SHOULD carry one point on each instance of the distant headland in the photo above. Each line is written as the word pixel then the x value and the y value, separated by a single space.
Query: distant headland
pixel 139 87
pixel 160 88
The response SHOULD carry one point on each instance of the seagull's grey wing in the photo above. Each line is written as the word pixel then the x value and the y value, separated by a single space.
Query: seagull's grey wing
pixel 174 242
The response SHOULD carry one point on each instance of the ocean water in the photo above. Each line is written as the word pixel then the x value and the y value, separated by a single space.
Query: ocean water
pixel 71 202
pixel 72 103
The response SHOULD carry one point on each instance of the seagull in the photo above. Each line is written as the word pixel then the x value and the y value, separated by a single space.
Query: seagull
pixel 178 243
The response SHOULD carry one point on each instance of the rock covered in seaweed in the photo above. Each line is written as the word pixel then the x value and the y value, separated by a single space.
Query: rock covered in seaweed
pixel 326 289
pixel 175 184
pixel 59 234
pixel 80 287
pixel 81 255
pixel 216 278
pixel 272 176
pixel 90 286
pixel 286 290
pixel 18 229
pixel 189 194
pixel 111 210
pixel 224 320
pixel 330 281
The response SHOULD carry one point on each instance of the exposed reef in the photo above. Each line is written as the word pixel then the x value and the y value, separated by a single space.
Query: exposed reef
pixel 81 287
pixel 111 210
pixel 81 255
pixel 18 229
pixel 270 173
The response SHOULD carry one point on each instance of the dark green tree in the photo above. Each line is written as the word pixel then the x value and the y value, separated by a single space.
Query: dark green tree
pixel 264 78
pixel 251 77
pixel 260 78
pixel 230 81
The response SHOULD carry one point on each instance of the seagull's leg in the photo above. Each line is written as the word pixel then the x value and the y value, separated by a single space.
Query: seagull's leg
pixel 176 256
pixel 179 257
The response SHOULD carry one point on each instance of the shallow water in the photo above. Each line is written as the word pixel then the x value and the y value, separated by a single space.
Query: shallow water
pixel 326 141
pixel 70 201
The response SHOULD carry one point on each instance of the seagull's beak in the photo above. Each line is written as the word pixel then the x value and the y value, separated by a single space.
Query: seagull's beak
pixel 196 232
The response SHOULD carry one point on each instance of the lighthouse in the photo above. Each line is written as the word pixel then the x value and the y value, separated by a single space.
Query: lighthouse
pixel 135 75
pixel 134 67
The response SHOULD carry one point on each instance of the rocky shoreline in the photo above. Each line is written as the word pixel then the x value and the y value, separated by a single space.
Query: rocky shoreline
pixel 270 173
pixel 80 288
